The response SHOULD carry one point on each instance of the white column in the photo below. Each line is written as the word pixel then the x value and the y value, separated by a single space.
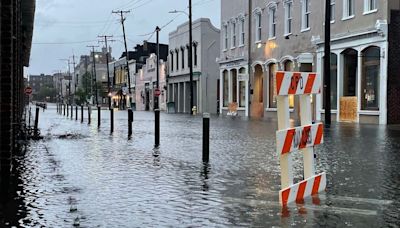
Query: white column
pixel 383 84
pixel 247 96
pixel 221 92
pixel 237 86
pixel 339 82
pixel 179 97
pixel 359 76
pixel 184 95
pixel 319 96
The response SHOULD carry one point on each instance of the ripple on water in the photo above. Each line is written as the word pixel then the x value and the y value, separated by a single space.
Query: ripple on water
pixel 113 182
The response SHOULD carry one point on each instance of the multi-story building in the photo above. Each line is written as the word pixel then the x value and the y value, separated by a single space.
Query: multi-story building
pixel 233 83
pixel 288 35
pixel 364 61
pixel 120 83
pixel 205 69
pixel 146 80
pixel 37 82
pixel 84 71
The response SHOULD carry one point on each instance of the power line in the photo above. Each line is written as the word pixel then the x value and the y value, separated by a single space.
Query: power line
pixel 57 43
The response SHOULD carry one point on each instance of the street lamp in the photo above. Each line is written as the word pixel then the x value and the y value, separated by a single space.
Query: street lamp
pixel 190 53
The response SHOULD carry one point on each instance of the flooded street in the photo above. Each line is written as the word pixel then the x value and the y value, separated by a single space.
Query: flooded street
pixel 94 179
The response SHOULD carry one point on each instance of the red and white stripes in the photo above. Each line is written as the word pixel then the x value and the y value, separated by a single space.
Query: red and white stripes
pixel 303 189
pixel 297 83
pixel 299 138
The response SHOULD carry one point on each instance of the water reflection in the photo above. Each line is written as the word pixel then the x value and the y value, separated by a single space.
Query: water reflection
pixel 92 178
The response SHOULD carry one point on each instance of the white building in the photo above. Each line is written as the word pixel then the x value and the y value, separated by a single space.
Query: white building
pixel 205 69
pixel 146 83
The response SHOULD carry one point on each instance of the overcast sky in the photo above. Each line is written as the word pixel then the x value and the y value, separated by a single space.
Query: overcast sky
pixel 66 27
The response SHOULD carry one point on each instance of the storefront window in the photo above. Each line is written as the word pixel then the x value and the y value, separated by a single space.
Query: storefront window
pixel 226 88
pixel 272 85
pixel 289 66
pixel 242 88
pixel 333 83
pixel 234 85
pixel 370 79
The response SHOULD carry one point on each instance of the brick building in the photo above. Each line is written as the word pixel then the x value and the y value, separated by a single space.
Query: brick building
pixel 16 24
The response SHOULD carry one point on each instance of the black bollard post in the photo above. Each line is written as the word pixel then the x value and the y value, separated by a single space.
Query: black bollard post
pixel 29 120
pixel 67 110
pixel 81 113
pixel 130 119
pixel 72 112
pixel 206 137
pixel 157 128
pixel 98 116
pixel 57 107
pixel 36 120
pixel 112 120
pixel 89 116
pixel 76 112
pixel 64 108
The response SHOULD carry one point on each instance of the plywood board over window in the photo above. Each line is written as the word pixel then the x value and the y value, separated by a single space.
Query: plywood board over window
pixel 348 109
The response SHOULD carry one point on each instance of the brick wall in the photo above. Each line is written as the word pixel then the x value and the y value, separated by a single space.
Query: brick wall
pixel 393 102
pixel 6 83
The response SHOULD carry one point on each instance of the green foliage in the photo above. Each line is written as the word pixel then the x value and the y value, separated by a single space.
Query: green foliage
pixel 46 93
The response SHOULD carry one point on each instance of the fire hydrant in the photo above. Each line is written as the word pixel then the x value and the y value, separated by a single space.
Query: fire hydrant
pixel 194 110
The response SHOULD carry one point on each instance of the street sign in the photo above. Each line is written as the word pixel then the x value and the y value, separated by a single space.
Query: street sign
pixel 302 138
pixel 157 92
pixel 28 90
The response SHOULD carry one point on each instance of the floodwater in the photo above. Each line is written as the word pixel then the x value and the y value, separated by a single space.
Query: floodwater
pixel 93 179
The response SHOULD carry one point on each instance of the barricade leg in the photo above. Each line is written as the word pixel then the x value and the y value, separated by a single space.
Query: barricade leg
pixel 308 153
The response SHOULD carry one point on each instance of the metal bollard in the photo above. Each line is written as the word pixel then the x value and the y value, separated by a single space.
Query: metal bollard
pixel 36 120
pixel 89 115
pixel 112 120
pixel 76 112
pixel 81 113
pixel 157 128
pixel 29 119
pixel 98 116
pixel 67 110
pixel 206 137
pixel 130 120
pixel 72 112
pixel 64 108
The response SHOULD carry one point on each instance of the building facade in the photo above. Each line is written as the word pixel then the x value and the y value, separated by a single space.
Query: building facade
pixel 16 28
pixel 288 36
pixel 234 65
pixel 120 83
pixel 205 70
pixel 146 80
pixel 363 82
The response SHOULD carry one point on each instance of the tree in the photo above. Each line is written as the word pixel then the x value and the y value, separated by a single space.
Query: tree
pixel 46 93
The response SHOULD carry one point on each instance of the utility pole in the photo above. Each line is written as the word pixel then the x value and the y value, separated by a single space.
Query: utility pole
pixel 94 73
pixel 190 58
pixel 108 69
pixel 86 76
pixel 73 63
pixel 156 96
pixel 121 13
pixel 327 63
